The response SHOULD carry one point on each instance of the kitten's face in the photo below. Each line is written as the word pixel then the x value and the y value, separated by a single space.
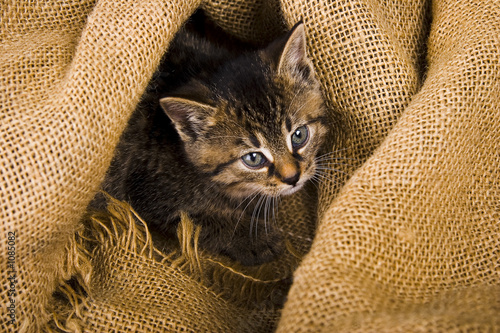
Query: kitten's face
pixel 264 124
pixel 273 158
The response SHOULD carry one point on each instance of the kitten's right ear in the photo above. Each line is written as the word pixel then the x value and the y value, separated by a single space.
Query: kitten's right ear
pixel 190 118
pixel 289 53
pixel 294 54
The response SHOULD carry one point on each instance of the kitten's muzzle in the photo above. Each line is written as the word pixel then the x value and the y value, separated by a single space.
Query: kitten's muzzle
pixel 292 180
pixel 287 170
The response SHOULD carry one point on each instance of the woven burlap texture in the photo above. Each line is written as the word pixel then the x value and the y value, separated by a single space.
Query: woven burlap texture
pixel 408 227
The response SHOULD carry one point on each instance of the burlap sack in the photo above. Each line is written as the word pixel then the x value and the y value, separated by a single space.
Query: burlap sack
pixel 409 243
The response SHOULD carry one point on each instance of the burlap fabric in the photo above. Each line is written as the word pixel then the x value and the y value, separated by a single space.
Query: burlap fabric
pixel 410 242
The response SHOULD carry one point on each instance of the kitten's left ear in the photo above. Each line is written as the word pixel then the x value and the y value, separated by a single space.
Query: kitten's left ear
pixel 293 56
pixel 189 117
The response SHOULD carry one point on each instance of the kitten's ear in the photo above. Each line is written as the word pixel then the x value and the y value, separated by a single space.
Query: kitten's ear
pixel 292 54
pixel 189 117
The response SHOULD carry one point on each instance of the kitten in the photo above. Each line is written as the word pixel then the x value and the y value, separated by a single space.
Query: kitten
pixel 229 132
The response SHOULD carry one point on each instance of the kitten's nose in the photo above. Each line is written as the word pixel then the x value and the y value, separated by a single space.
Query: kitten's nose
pixel 292 180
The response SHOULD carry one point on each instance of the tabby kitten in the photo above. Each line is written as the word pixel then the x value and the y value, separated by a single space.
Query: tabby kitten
pixel 229 132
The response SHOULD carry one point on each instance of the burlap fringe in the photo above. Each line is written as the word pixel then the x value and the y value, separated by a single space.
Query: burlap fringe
pixel 240 284
pixel 120 226
pixel 78 265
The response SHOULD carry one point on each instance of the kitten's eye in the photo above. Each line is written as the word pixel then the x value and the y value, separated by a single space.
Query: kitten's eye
pixel 300 136
pixel 254 160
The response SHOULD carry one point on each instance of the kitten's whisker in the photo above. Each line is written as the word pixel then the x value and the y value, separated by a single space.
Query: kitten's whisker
pixel 278 203
pixel 321 168
pixel 322 177
pixel 326 176
pixel 264 205
pixel 327 163
pixel 253 196
pixel 314 180
pixel 255 216
pixel 274 210
pixel 267 213
pixel 320 181
pixel 332 158
pixel 334 162
pixel 261 207
pixel 336 155
pixel 335 151
pixel 325 171
pixel 250 195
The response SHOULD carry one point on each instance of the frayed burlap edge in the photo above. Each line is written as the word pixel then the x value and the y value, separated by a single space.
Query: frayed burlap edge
pixel 120 226
pixel 231 280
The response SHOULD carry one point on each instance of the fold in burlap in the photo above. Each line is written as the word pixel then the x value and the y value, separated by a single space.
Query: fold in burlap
pixel 409 243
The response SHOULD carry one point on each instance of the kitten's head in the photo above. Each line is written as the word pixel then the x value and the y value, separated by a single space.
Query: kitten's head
pixel 256 125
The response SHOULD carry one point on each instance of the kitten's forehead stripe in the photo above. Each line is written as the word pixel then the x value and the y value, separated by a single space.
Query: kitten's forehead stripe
pixel 254 141
pixel 288 124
